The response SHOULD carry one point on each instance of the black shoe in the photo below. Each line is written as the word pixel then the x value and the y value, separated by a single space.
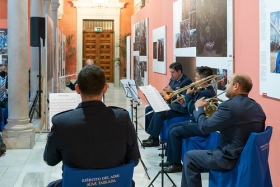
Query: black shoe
pixel 165 164
pixel 2 148
pixel 149 139
pixel 173 168
pixel 151 143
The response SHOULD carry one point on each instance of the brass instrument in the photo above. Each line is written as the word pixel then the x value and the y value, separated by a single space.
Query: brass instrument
pixel 196 85
pixel 212 106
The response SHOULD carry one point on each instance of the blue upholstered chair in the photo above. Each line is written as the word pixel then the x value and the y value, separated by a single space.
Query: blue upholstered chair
pixel 197 142
pixel 120 176
pixel 168 122
pixel 252 168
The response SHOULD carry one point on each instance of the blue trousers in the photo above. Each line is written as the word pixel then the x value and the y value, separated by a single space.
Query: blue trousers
pixel 178 132
pixel 197 162
pixel 156 121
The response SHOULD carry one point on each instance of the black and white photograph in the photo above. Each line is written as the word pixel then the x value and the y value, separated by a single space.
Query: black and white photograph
pixel 140 43
pixel 159 40
pixel 143 68
pixel 137 72
pixel 154 50
pixel 160 50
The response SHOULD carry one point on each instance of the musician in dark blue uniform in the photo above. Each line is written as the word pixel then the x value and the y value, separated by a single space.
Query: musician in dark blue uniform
pixel 236 119
pixel 154 121
pixel 180 131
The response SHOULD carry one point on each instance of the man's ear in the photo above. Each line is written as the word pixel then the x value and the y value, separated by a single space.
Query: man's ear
pixel 236 86
pixel 77 88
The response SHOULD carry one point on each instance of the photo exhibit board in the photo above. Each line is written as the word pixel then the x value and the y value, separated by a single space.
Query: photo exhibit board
pixel 203 35
pixel 139 65
pixel 49 55
pixel 3 45
pixel 57 61
pixel 159 50
pixel 269 48
pixel 62 70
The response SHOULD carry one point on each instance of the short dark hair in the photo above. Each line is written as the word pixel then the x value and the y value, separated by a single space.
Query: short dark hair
pixel 91 80
pixel 176 66
pixel 245 84
pixel 204 71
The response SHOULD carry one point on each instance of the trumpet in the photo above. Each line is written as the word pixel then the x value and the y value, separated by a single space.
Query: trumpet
pixel 197 88
pixel 212 106
pixel 197 85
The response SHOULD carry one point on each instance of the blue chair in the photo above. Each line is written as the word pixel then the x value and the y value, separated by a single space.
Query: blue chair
pixel 252 168
pixel 4 119
pixel 120 176
pixel 198 142
pixel 168 122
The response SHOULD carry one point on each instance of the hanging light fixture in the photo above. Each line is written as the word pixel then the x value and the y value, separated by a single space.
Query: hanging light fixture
pixel 100 3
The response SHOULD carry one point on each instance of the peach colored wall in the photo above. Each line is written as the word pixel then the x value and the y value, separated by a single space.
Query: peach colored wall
pixel 3 8
pixel 126 13
pixel 246 59
pixel 158 14
pixel 68 26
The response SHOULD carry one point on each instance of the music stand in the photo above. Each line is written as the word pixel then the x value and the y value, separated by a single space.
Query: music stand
pixel 159 105
pixel 131 94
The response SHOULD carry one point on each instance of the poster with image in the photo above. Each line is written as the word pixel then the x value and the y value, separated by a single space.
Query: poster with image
pixel 159 42
pixel 203 33
pixel 139 70
pixel 269 48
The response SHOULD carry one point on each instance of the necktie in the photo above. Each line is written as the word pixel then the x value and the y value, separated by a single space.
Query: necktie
pixel 1 92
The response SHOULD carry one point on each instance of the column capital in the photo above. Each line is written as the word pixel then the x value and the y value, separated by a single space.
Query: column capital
pixel 55 4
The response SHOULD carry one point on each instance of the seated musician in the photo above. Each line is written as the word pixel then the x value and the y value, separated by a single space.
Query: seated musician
pixel 236 119
pixel 104 137
pixel 180 131
pixel 71 85
pixel 154 121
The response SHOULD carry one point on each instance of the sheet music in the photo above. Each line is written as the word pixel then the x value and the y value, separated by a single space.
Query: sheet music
pixel 155 99
pixel 60 102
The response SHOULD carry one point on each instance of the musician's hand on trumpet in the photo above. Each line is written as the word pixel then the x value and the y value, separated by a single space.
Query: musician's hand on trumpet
pixel 201 102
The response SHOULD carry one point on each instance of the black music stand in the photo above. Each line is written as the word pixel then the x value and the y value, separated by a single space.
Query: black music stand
pixel 159 105
pixel 131 94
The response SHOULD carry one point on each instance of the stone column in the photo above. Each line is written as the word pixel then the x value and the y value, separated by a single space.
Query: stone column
pixel 55 5
pixel 18 133
pixel 47 8
pixel 36 11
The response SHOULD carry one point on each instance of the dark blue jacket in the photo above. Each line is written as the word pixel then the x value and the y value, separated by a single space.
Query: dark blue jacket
pixel 236 119
pixel 175 85
pixel 190 99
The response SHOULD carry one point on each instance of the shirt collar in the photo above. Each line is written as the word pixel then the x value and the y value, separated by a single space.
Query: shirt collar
pixel 178 80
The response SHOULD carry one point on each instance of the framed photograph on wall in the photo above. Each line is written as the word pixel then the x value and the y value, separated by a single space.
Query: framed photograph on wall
pixel 139 64
pixel 159 50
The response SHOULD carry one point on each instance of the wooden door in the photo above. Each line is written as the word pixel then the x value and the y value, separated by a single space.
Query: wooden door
pixel 99 47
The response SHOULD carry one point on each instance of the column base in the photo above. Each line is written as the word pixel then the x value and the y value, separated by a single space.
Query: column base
pixel 22 139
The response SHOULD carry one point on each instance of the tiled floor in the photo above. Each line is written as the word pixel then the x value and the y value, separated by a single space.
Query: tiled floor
pixel 26 168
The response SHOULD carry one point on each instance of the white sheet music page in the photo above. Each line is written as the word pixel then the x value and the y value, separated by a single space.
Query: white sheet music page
pixel 155 99
pixel 60 102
